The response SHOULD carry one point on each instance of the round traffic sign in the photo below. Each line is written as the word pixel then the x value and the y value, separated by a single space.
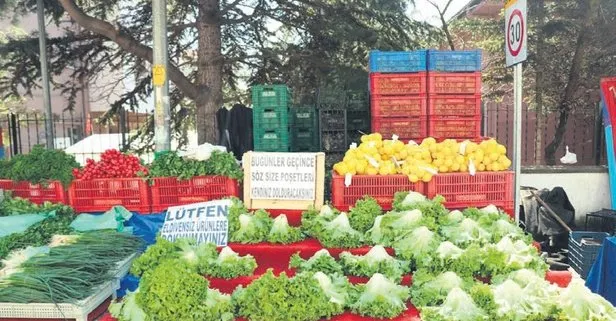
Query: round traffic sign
pixel 515 32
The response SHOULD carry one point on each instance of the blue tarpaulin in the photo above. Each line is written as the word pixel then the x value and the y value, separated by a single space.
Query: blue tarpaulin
pixel 602 276
pixel 146 227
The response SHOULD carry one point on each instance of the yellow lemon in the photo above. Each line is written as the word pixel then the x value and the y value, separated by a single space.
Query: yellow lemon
pixel 481 167
pixel 448 162
pixel 361 168
pixel 371 171
pixel 438 162
pixel 413 178
pixel 494 156
pixel 426 177
pixel 443 169
pixel 428 141
pixel 487 161
pixel 489 167
pixel 455 167
pixel 463 168
pixel 501 149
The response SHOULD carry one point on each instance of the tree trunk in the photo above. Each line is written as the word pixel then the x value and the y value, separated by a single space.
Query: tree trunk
pixel 209 69
pixel 573 83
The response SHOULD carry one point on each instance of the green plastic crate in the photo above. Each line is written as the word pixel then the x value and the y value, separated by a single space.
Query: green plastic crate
pixel 268 140
pixel 304 140
pixel 264 96
pixel 270 118
pixel 303 117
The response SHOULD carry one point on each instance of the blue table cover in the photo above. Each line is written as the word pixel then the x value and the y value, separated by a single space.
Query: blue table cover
pixel 602 276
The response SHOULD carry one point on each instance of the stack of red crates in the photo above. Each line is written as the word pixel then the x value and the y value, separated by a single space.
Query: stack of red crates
pixel 398 84
pixel 454 94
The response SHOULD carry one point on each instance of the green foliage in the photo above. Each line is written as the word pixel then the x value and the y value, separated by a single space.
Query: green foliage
pixel 321 261
pixel 219 164
pixel 228 265
pixel 42 165
pixel 337 232
pixel 381 298
pixel 155 254
pixel 253 228
pixel 302 298
pixel 282 233
pixel 173 291
pixel 18 206
pixel 362 215
pixel 377 260
pixel 40 233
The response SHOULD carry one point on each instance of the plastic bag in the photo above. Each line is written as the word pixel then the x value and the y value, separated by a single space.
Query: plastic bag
pixel 112 219
pixel 203 152
pixel 20 223
pixel 569 158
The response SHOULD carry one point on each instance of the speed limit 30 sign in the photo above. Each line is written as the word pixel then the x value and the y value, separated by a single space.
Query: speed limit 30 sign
pixel 516 39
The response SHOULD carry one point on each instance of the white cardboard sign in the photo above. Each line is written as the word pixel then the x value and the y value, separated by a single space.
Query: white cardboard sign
pixel 283 176
pixel 203 222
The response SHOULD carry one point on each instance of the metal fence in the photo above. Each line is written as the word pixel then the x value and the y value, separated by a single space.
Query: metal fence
pixel 584 134
pixel 21 132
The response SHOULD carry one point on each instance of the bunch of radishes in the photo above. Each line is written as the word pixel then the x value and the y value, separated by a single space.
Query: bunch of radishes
pixel 113 164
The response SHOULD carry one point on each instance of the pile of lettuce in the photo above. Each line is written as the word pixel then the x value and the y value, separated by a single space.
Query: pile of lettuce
pixel 257 227
pixel 522 295
pixel 202 259
pixel 312 296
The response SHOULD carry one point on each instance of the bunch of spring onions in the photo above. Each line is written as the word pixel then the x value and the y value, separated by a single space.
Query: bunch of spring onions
pixel 72 270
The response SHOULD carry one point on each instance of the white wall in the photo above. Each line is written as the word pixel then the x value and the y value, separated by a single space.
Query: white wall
pixel 588 192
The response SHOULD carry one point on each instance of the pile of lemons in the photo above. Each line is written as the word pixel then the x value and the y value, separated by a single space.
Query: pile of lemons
pixel 375 156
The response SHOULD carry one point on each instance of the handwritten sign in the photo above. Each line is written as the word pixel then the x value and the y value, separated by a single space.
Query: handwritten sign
pixel 203 222
pixel 283 176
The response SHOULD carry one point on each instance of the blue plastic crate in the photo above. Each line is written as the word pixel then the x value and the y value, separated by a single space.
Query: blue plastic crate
pixel 398 61
pixel 583 250
pixel 454 61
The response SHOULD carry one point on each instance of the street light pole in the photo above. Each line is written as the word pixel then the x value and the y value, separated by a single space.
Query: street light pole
pixel 49 136
pixel 162 113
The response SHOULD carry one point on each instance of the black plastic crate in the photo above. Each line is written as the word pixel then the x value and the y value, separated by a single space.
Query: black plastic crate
pixel 332 119
pixel 331 99
pixel 334 141
pixel 583 250
pixel 358 120
pixel 358 100
pixel 354 136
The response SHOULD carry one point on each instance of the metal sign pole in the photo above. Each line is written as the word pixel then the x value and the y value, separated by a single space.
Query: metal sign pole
pixel 517 136
pixel 162 113
pixel 516 39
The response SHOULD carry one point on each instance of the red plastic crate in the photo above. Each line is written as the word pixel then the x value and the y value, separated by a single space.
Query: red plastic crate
pixel 99 195
pixel 6 184
pixel 461 190
pixel 454 83
pixel 406 128
pixel 40 193
pixel 455 127
pixel 454 105
pixel 398 84
pixel 398 106
pixel 382 188
pixel 169 191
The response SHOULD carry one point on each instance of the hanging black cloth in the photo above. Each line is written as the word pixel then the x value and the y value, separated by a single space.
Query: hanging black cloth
pixel 222 120
pixel 240 130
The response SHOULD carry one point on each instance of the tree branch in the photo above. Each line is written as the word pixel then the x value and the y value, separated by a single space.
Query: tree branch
pixel 445 27
pixel 127 43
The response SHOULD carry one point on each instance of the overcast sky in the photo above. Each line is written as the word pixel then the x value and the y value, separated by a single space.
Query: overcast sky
pixel 423 10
